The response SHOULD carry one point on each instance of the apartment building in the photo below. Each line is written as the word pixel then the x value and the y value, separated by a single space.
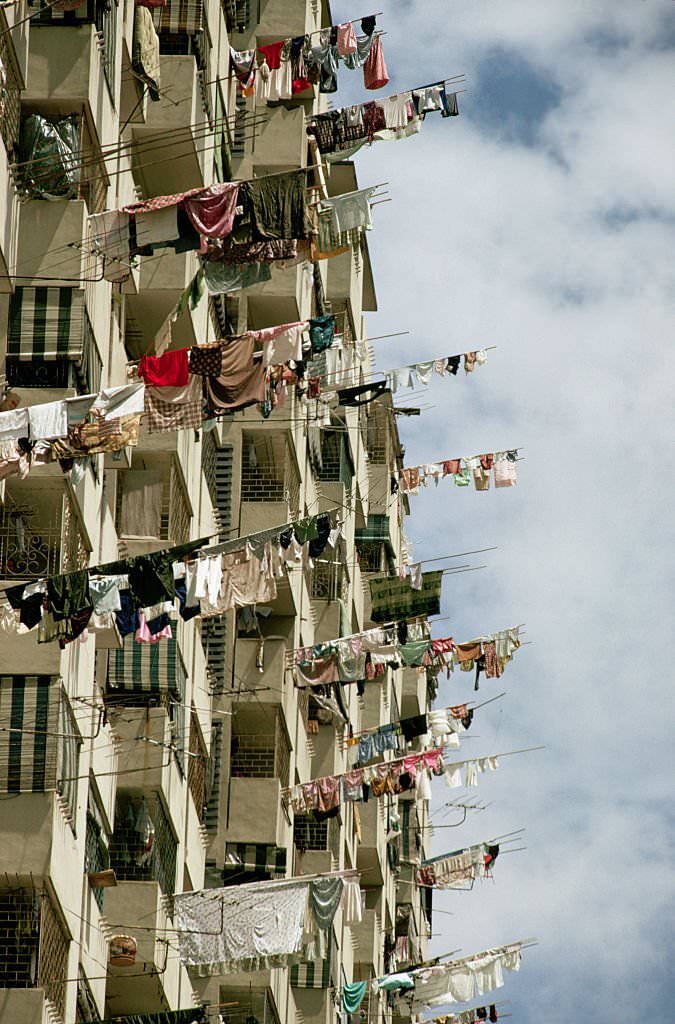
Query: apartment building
pixel 132 772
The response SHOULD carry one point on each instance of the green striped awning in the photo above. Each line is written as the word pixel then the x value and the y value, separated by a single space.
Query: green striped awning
pixel 262 858
pixel 46 323
pixel 146 668
pixel 375 532
pixel 313 973
pixel 179 17
pixel 393 598
pixel 29 723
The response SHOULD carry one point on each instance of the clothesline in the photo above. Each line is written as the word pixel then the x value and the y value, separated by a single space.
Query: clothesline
pixel 198 545
pixel 469 705
pixel 309 118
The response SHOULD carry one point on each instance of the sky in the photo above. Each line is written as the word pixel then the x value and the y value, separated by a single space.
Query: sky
pixel 542 221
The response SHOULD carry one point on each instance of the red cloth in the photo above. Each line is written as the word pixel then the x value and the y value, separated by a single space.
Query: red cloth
pixel 451 466
pixel 272 54
pixel 375 74
pixel 442 645
pixel 212 214
pixel 169 370
pixel 150 3
pixel 301 85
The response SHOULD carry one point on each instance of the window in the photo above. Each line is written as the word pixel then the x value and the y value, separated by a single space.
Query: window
pixel 96 847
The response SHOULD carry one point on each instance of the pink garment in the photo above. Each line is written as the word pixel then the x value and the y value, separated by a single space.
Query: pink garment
pixel 310 793
pixel 329 792
pixel 143 634
pixel 433 759
pixel 346 39
pixel 212 214
pixel 375 74
pixel 505 474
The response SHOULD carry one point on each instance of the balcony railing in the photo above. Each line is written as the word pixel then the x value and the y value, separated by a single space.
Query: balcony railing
pixel 10 89
pixel 34 545
pixel 143 846
pixel 33 945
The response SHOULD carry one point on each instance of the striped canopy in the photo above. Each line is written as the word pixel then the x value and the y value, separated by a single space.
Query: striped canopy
pixel 46 323
pixel 29 722
pixel 258 857
pixel 146 668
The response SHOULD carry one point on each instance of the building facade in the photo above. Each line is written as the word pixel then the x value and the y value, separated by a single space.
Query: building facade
pixel 170 764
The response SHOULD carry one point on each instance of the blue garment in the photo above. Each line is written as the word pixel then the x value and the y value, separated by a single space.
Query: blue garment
pixel 366 748
pixel 127 617
pixel 385 738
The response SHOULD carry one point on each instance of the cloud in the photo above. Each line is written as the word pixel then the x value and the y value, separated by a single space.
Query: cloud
pixel 542 220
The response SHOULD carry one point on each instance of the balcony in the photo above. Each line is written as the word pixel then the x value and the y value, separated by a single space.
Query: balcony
pixel 137 908
pixel 73 55
pixel 153 507
pixel 280 140
pixel 40 530
pixel 260 759
pixel 372 852
pixel 143 845
pixel 283 299
pixel 367 941
pixel 413 692
pixel 34 948
pixel 171 148
pixel 51 349
pixel 270 480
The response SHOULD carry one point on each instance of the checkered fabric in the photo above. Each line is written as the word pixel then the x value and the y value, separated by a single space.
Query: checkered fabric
pixel 29 721
pixel 161 417
pixel 146 668
pixel 258 857
pixel 392 598
pixel 179 16
pixel 46 323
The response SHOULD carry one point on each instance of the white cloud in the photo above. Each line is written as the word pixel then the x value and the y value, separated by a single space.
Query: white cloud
pixel 559 252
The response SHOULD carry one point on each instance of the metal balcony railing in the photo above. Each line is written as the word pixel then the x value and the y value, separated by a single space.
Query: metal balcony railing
pixel 143 846
pixel 30 550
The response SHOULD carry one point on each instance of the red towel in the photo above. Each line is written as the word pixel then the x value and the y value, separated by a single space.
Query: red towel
pixel 169 370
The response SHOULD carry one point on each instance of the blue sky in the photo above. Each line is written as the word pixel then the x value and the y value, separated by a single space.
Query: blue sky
pixel 542 220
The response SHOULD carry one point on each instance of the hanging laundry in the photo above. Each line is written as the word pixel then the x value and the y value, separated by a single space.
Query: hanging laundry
pixel 346 45
pixel 350 210
pixel 375 74
pixel 241 381
pixel 212 213
pixel 276 206
pixel 170 369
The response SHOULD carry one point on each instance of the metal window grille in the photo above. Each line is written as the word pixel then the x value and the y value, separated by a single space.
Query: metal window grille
pixel 217 466
pixel 133 855
pixel 328 581
pixel 19 934
pixel 197 765
pixel 85 1010
pixel 237 14
pixel 214 643
pixel 309 834
pixel 269 471
pixel 176 511
pixel 96 854
pixel 70 743
pixel 260 755
pixel 213 777
pixel 105 19
pixel 74 551
pixel 52 957
pixel 34 545
pixel 10 95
